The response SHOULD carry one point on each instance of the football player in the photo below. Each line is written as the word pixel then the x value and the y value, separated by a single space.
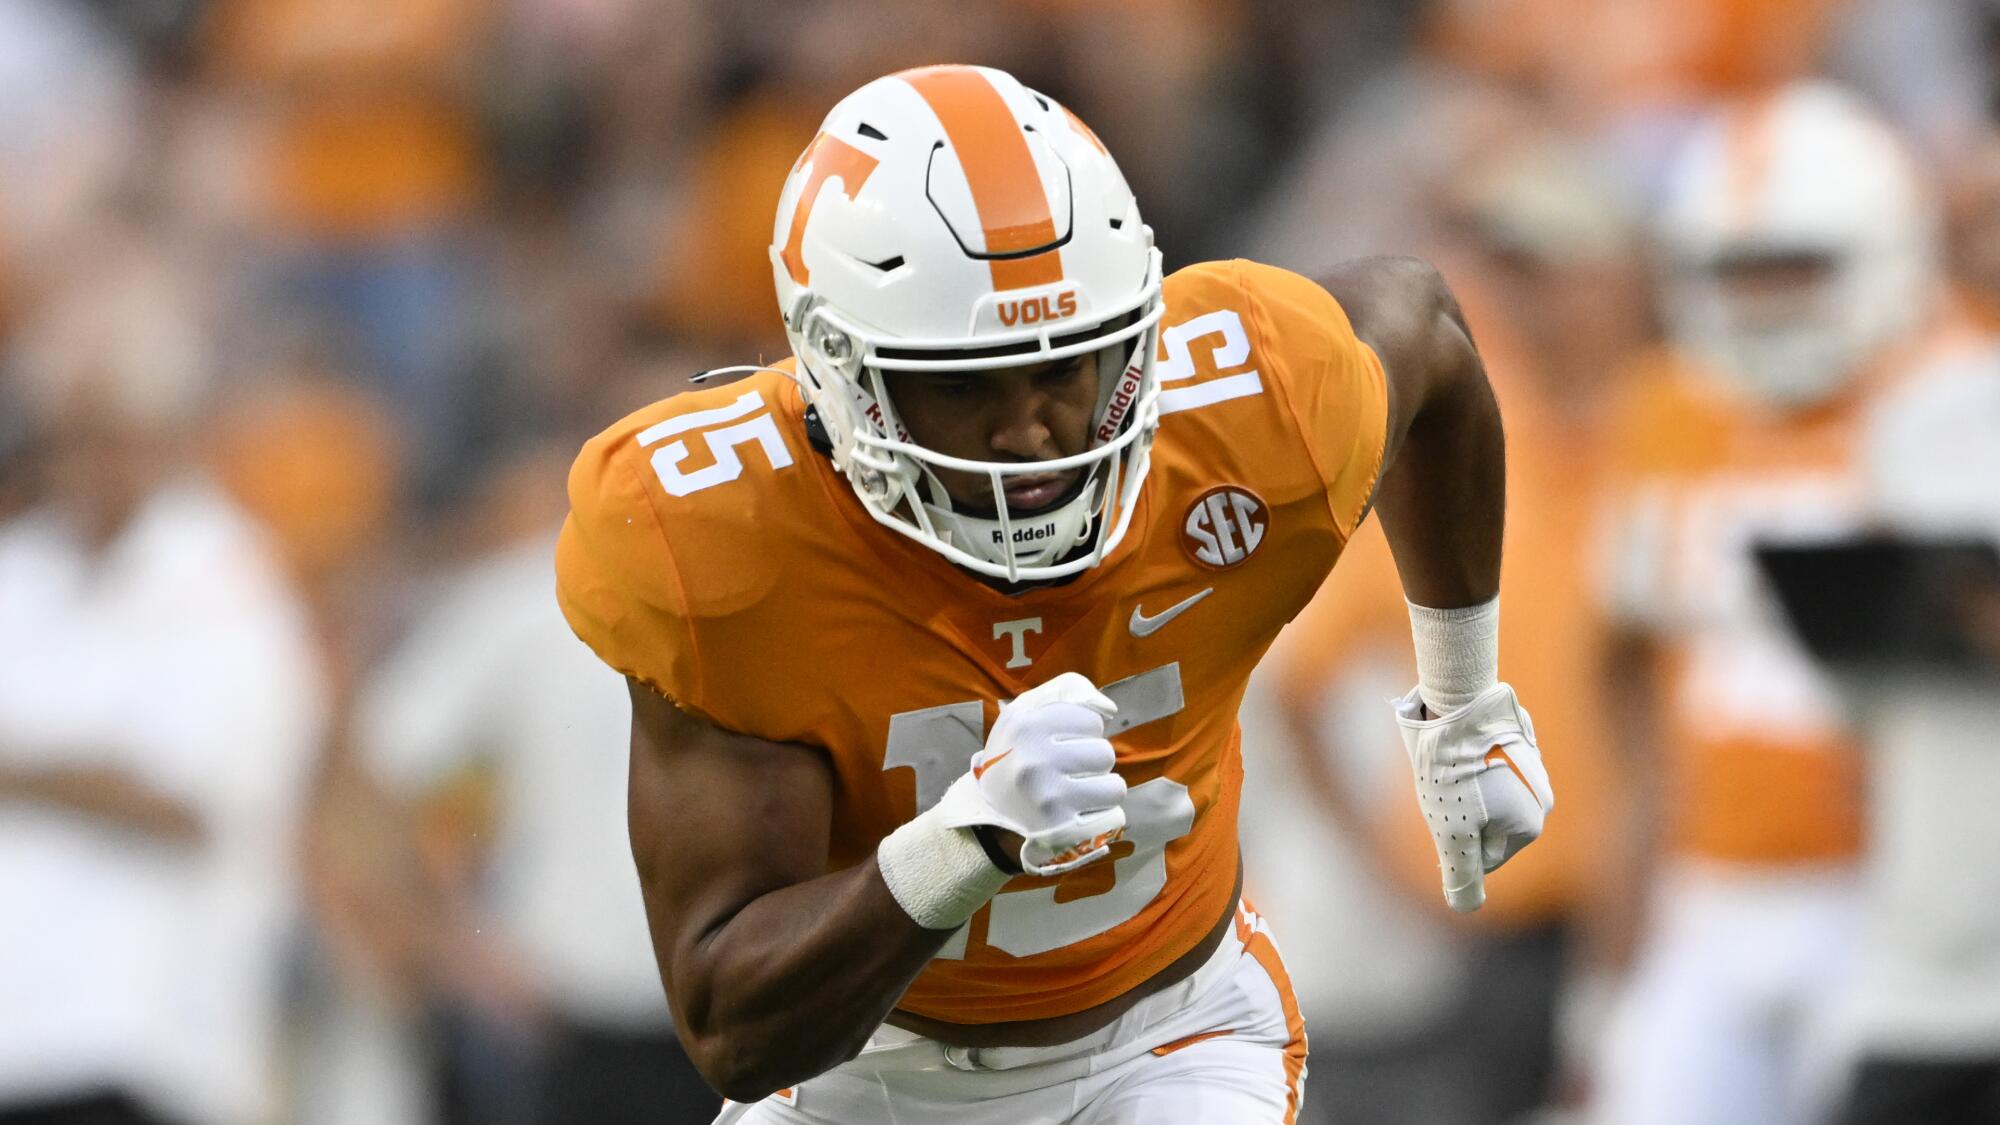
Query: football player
pixel 1800 282
pixel 936 631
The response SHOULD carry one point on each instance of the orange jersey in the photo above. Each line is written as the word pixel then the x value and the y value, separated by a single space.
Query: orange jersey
pixel 1762 767
pixel 712 553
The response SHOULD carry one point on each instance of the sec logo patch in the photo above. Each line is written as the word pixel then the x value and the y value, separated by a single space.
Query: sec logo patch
pixel 1224 527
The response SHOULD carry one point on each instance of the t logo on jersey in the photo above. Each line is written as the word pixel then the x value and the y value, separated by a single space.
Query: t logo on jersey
pixel 1224 527
pixel 1017 632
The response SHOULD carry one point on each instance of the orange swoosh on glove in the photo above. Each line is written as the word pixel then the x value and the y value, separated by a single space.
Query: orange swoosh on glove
pixel 979 770
pixel 1497 754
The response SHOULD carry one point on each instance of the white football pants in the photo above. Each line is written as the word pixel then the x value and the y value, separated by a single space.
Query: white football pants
pixel 1225 1045
pixel 1736 1011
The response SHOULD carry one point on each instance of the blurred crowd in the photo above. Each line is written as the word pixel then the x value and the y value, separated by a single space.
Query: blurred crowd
pixel 311 810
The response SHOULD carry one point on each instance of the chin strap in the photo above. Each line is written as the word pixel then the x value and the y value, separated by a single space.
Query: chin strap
pixel 1041 538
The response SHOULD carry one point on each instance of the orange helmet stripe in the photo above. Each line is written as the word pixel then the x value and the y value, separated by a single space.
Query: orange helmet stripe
pixel 1006 190
pixel 1752 148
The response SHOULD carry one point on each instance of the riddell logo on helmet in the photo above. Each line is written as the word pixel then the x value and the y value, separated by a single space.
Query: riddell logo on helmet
pixel 1034 310
pixel 1033 534
pixel 1120 404
pixel 873 411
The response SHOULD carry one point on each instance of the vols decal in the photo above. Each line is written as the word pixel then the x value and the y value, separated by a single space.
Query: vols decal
pixel 1034 310
pixel 1224 526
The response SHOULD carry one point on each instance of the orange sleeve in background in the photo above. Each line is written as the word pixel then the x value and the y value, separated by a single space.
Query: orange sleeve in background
pixel 1360 605
pixel 714 276
pixel 370 127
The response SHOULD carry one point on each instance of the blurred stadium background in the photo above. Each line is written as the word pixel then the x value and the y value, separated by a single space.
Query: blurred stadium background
pixel 311 810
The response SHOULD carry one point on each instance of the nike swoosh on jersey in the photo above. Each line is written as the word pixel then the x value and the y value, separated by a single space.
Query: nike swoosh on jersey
pixel 1144 626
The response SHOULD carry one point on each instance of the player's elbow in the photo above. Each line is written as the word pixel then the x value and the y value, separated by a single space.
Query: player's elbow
pixel 737 1067
pixel 751 1072
pixel 747 1065
pixel 740 1078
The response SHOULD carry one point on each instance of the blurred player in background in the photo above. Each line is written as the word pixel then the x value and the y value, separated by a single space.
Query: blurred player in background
pixel 536 945
pixel 1006 456
pixel 1799 247
pixel 161 706
pixel 1928 1007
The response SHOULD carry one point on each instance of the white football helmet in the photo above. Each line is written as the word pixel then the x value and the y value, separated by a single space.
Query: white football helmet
pixel 951 219
pixel 1807 175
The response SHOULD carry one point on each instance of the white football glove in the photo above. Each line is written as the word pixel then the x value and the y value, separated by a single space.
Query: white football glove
pixel 1046 774
pixel 1481 785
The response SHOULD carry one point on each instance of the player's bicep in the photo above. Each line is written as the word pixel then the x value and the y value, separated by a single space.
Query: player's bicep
pixel 717 819
pixel 1403 310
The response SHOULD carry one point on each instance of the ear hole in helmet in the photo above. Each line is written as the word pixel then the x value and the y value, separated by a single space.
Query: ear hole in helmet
pixel 867 130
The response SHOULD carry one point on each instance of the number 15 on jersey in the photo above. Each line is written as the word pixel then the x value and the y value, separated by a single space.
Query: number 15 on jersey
pixel 937 742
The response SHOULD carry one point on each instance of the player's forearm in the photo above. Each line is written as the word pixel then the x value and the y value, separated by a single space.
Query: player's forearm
pixel 1624 865
pixel 1442 502
pixel 792 984
pixel 108 796
pixel 777 970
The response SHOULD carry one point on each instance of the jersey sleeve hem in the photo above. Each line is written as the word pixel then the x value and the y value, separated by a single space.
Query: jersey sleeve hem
pixel 622 573
pixel 1344 523
pixel 1376 451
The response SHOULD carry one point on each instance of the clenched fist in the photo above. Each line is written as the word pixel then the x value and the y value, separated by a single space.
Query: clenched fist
pixel 1046 775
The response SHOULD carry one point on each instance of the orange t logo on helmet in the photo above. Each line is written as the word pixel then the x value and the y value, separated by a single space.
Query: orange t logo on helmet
pixel 829 156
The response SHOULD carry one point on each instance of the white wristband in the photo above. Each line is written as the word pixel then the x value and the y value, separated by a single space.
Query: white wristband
pixel 1458 652
pixel 938 875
